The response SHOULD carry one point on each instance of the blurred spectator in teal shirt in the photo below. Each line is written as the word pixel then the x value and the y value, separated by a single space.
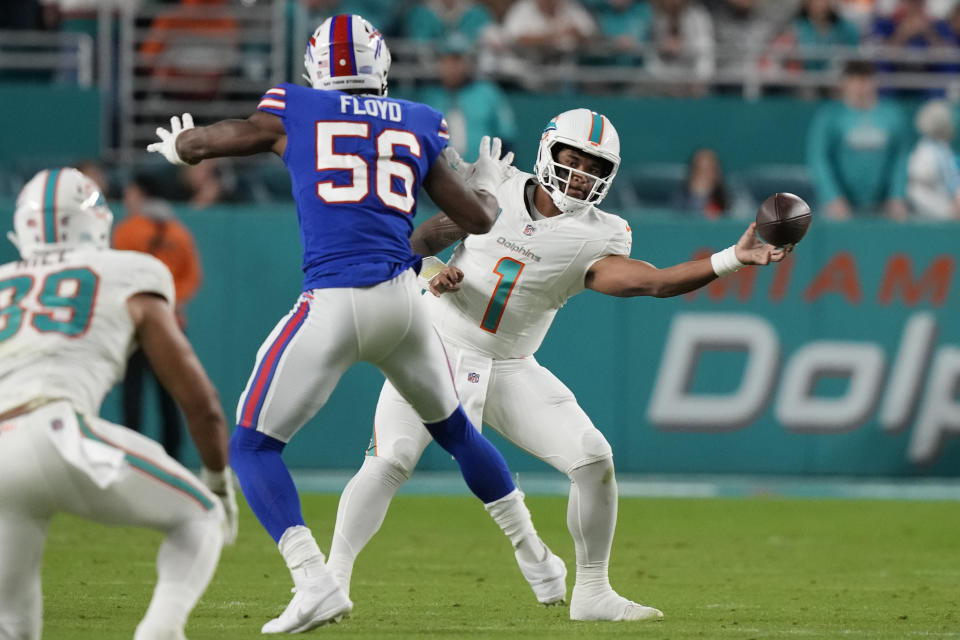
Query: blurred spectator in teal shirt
pixel 821 25
pixel 434 20
pixel 625 24
pixel 857 149
pixel 473 108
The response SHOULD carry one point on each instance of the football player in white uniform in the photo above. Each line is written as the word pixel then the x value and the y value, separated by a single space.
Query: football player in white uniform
pixel 71 311
pixel 503 289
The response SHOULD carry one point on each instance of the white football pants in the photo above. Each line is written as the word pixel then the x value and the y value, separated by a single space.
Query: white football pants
pixel 327 331
pixel 53 460
pixel 518 398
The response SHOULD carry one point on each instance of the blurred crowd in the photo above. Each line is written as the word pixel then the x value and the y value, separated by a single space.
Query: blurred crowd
pixel 697 43
pixel 863 155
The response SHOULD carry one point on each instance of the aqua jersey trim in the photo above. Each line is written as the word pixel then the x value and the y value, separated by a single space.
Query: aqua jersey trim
pixel 151 469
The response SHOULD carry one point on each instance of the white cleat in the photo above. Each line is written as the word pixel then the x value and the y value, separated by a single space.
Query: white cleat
pixel 318 600
pixel 547 578
pixel 609 605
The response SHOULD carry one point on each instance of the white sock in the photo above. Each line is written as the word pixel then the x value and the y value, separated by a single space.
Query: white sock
pixel 591 519
pixel 511 513
pixel 300 550
pixel 363 506
pixel 185 564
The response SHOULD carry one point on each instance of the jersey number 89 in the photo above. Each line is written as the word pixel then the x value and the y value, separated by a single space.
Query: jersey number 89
pixel 386 167
pixel 71 291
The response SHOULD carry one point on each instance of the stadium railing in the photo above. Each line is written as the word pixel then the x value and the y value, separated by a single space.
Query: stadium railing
pixel 45 56
pixel 213 61
pixel 266 47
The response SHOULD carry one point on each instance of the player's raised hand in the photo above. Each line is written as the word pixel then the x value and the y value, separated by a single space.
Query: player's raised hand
pixel 167 147
pixel 752 250
pixel 221 484
pixel 446 281
pixel 456 162
pixel 490 169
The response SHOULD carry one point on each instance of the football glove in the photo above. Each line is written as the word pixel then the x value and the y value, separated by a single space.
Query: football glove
pixel 490 170
pixel 221 484
pixel 167 147
pixel 456 161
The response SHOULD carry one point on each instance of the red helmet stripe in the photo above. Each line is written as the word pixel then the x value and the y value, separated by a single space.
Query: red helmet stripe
pixel 342 59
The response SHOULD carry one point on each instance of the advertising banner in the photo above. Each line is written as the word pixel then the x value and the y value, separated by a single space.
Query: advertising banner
pixel 844 359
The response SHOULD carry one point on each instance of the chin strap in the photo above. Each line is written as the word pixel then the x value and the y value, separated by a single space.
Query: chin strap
pixel 565 203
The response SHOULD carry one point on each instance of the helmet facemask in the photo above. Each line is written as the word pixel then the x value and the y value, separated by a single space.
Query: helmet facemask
pixel 556 177
pixel 586 133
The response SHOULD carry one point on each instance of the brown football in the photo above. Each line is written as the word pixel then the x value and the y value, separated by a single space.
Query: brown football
pixel 783 219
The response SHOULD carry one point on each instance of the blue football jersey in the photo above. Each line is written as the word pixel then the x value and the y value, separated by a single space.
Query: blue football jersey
pixel 356 164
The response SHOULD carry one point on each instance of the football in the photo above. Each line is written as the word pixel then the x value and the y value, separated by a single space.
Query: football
pixel 783 219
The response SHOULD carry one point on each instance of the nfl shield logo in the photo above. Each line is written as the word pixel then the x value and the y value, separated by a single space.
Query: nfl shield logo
pixel 473 377
pixel 528 230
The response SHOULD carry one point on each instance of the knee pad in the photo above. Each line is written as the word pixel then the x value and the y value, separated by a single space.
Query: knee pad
pixel 594 445
pixel 388 470
pixel 601 471
pixel 405 455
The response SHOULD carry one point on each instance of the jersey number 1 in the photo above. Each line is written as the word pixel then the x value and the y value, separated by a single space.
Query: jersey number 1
pixel 386 167
pixel 509 270
pixel 71 289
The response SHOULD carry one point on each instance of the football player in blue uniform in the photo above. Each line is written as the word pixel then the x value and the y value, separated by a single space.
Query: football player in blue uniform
pixel 357 160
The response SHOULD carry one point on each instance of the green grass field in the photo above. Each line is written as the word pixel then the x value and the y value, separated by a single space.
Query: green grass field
pixel 718 568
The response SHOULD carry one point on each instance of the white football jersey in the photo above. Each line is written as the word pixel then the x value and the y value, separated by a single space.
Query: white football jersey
pixel 65 331
pixel 518 275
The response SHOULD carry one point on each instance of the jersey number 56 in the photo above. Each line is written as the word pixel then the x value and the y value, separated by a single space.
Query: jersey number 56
pixel 385 169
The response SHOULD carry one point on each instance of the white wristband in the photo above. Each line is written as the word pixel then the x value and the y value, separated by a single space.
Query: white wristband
pixel 216 481
pixel 725 262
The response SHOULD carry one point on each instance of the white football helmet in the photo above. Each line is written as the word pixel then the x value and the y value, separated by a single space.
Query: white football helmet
pixel 347 52
pixel 60 208
pixel 588 132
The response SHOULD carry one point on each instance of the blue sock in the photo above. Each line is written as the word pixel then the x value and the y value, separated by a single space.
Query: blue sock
pixel 265 480
pixel 483 468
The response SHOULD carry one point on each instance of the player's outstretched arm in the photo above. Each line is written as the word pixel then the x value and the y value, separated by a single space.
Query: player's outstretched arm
pixel 435 235
pixel 187 144
pixel 179 370
pixel 622 277
pixel 471 204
